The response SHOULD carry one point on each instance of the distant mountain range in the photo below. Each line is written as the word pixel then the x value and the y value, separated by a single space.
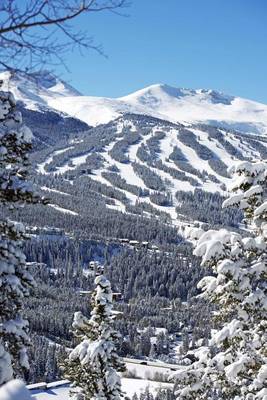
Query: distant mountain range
pixel 45 91
pixel 137 154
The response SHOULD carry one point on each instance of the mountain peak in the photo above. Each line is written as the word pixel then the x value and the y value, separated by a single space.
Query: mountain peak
pixel 155 92
pixel 35 89
pixel 44 90
pixel 44 78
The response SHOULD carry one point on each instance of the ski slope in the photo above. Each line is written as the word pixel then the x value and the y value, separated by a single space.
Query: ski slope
pixel 199 172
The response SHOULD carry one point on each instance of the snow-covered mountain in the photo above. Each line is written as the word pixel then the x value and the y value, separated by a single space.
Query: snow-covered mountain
pixel 36 90
pixel 44 91
pixel 33 93
pixel 142 164
pixel 172 104
pixel 143 150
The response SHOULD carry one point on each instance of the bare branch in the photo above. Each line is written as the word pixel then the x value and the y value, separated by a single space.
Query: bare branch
pixel 28 30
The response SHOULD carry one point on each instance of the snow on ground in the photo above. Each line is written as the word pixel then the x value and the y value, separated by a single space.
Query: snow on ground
pixel 147 371
pixel 175 183
pixel 130 386
pixel 41 167
pixel 98 177
pixel 61 209
pixel 118 206
pixel 159 100
pixel 166 145
pixel 56 393
pixel 73 163
pixel 245 148
pixel 218 150
pixel 36 90
pixel 47 189
pixel 92 110
pixel 179 104
pixel 193 158
pixel 199 164
pixel 14 390
pixel 63 150
pixel 132 152
pixel 126 170
pixel 172 104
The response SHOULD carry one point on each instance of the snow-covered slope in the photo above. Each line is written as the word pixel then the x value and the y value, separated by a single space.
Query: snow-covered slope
pixel 175 105
pixel 33 93
pixel 44 91
pixel 61 391
pixel 149 146
pixel 148 160
pixel 36 90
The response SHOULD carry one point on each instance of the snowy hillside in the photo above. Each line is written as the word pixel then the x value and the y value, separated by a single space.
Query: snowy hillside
pixel 145 150
pixel 175 105
pixel 149 162
pixel 32 94
pixel 61 391
pixel 36 90
pixel 44 91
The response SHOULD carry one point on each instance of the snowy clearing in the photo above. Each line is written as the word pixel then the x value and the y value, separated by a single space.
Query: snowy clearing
pixel 61 209
pixel 60 390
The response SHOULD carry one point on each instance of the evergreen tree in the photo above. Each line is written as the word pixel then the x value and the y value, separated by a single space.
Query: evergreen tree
pixel 135 397
pixel 234 365
pixel 50 365
pixel 146 395
pixel 164 394
pixel 153 351
pixel 15 280
pixel 94 364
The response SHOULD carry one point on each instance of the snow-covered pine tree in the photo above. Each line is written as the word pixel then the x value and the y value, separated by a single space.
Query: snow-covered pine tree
pixel 234 365
pixel 15 280
pixel 93 365
pixel 50 365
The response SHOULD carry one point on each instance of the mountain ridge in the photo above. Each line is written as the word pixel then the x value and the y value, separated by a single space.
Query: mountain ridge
pixel 147 166
pixel 35 89
pixel 173 104
pixel 41 91
pixel 140 160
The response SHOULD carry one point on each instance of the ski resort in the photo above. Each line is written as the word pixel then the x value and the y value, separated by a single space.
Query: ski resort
pixel 133 226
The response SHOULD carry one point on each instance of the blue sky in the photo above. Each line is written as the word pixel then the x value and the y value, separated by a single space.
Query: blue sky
pixel 215 44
